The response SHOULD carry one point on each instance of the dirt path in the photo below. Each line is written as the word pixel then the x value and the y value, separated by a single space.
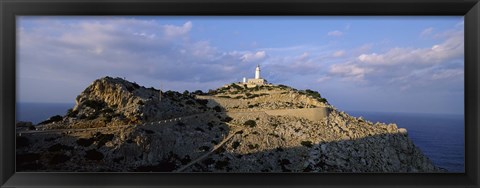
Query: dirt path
pixel 160 122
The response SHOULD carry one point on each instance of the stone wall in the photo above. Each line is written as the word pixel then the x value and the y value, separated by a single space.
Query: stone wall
pixel 312 114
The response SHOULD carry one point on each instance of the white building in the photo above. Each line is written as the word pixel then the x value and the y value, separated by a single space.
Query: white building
pixel 252 82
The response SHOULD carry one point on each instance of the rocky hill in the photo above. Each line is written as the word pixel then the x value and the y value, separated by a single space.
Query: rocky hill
pixel 114 101
pixel 117 125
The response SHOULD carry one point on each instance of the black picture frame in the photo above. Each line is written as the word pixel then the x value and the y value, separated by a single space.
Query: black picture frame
pixel 9 9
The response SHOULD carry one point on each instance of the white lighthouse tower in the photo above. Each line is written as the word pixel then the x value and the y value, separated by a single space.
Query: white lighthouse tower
pixel 257 81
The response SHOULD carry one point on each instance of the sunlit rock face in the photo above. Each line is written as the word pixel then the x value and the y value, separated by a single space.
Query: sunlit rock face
pixel 117 125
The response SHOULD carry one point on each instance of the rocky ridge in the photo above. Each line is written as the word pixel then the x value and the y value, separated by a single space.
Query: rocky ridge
pixel 149 134
pixel 114 101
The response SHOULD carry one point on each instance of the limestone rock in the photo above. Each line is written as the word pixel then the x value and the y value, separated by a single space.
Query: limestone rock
pixel 143 129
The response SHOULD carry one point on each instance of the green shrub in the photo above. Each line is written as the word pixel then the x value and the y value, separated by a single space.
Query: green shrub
pixel 227 119
pixel 107 111
pixel 274 135
pixel 250 123
pixel 202 102
pixel 190 102
pixel 235 144
pixel 251 146
pixel 107 119
pixel 95 104
pixel 103 138
pixel 82 116
pixel 236 86
pixel 152 88
pixel 212 92
pixel 324 100
pixel 71 113
pixel 135 85
pixel 307 143
pixel 169 93
pixel 198 92
pixel 52 119
pixel 253 96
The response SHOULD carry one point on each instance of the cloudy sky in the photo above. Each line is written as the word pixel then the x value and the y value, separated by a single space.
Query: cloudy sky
pixel 393 64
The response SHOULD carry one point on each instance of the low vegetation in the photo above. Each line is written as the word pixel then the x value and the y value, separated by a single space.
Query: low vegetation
pixel 308 144
pixel 250 123
pixel 53 119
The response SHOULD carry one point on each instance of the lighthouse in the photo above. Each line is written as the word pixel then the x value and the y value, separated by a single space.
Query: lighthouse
pixel 257 81
pixel 257 72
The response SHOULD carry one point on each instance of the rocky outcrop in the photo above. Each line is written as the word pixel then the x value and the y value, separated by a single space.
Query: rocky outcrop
pixel 273 97
pixel 147 133
pixel 135 102
pixel 113 101
pixel 340 143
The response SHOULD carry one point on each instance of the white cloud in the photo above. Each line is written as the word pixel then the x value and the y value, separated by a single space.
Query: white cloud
pixel 145 35
pixel 304 56
pixel 448 74
pixel 450 49
pixel 335 33
pixel 152 52
pixel 173 30
pixel 202 49
pixel 350 71
pixel 408 68
pixel 93 48
pixel 427 32
pixel 254 57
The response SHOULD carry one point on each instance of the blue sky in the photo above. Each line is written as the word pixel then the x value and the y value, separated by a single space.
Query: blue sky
pixel 393 64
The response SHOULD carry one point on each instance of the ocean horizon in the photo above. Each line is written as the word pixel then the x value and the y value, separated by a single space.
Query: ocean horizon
pixel 439 136
pixel 38 112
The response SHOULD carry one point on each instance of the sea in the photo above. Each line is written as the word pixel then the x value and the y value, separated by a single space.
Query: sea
pixel 38 112
pixel 439 136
